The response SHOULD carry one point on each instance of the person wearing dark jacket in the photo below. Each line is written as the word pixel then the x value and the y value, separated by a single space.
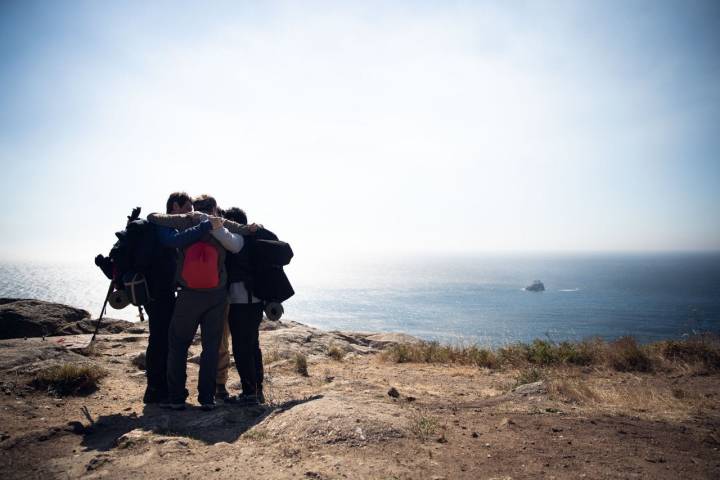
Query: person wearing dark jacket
pixel 243 320
pixel 250 288
pixel 161 282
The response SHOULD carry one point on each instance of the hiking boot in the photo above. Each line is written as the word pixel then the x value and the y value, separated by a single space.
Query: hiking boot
pixel 207 407
pixel 176 406
pixel 221 392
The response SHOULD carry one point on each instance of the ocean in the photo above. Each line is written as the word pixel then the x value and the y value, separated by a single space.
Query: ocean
pixel 460 299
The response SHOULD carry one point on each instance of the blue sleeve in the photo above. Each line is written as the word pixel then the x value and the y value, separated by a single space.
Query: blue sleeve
pixel 169 237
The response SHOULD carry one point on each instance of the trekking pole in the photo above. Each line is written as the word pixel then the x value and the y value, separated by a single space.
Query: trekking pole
pixel 102 312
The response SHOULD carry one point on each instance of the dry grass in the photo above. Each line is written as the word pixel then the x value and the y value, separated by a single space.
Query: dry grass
pixel 301 365
pixel 434 352
pixel 69 378
pixel 698 349
pixel 139 361
pixel 622 355
pixel 423 425
pixel 256 434
pixel 529 375
pixel 631 395
pixel 336 353
pixel 271 356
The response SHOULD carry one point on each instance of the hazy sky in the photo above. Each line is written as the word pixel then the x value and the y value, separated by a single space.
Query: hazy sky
pixel 366 126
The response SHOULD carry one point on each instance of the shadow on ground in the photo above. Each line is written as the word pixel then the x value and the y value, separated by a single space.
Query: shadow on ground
pixel 224 424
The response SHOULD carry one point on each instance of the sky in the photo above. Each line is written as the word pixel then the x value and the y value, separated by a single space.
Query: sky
pixel 365 127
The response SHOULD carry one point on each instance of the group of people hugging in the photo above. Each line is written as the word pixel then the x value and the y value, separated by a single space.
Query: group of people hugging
pixel 199 278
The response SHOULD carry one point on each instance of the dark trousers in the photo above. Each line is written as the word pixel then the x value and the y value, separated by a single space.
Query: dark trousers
pixel 194 308
pixel 244 321
pixel 160 313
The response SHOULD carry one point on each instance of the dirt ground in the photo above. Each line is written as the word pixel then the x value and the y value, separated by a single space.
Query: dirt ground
pixel 344 421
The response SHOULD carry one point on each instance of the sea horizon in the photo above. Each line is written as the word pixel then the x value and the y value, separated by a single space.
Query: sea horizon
pixel 460 298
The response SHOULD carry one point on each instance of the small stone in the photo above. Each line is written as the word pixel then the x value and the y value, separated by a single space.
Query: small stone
pixel 475 435
pixel 393 392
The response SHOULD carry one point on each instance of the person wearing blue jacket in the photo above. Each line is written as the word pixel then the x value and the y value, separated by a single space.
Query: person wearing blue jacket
pixel 161 281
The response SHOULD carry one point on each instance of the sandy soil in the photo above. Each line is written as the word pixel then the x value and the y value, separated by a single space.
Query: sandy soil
pixel 341 422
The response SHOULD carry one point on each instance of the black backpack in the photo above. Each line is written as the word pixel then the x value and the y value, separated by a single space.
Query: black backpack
pixel 260 266
pixel 131 258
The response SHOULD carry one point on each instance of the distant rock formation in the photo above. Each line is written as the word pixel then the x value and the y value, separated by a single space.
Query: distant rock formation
pixel 537 286
pixel 21 318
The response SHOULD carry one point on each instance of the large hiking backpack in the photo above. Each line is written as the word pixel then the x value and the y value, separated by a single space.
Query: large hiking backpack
pixel 130 260
pixel 260 266
pixel 200 268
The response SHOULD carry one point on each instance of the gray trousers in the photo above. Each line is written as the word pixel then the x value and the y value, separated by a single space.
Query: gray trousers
pixel 193 308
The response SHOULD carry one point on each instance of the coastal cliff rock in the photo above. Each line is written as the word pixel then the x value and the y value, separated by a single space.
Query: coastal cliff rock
pixel 21 318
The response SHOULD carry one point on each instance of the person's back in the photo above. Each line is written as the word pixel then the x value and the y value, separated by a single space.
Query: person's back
pixel 161 282
pixel 201 300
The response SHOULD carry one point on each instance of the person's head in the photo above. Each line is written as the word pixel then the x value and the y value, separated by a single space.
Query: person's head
pixel 179 202
pixel 206 204
pixel 236 215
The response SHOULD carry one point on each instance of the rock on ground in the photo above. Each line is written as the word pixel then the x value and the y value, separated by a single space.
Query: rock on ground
pixel 21 318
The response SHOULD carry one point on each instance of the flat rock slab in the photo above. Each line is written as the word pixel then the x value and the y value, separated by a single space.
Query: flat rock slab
pixel 25 354
pixel 20 318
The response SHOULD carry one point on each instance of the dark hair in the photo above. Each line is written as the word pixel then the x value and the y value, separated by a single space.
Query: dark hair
pixel 181 198
pixel 204 203
pixel 236 215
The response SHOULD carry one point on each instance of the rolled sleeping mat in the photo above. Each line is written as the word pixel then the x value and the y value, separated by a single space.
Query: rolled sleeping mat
pixel 118 299
pixel 273 311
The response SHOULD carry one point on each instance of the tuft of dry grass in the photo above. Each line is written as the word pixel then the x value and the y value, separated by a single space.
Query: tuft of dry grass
pixel 423 425
pixel 69 378
pixel 625 355
pixel 698 349
pixel 529 375
pixel 301 365
pixel 271 356
pixel 336 353
pixel 139 361
pixel 256 434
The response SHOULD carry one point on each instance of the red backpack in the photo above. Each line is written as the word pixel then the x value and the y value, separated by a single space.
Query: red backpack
pixel 200 268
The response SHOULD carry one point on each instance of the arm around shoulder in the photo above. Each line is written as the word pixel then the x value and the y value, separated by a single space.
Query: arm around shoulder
pixel 179 221
pixel 237 228
pixel 232 242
